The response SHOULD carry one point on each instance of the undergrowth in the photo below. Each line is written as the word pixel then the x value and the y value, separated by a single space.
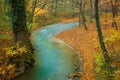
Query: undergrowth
pixel 111 70
pixel 11 61
pixel 103 70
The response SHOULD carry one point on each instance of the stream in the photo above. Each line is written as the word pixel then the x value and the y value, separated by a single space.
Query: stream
pixel 55 60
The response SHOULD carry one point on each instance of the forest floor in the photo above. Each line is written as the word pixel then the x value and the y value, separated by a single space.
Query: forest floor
pixel 85 42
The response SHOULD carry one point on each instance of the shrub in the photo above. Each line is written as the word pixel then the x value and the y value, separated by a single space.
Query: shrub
pixel 12 61
pixel 112 42
pixel 15 54
pixel 103 70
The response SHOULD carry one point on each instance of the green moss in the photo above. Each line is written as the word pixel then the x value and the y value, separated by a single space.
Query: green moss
pixel 5 36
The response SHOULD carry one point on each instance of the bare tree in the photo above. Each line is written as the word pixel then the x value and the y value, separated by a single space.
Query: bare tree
pixel 32 14
pixel 91 10
pixel 82 14
pixel 114 24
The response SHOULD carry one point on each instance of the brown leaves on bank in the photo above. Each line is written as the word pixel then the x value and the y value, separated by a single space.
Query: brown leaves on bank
pixel 85 42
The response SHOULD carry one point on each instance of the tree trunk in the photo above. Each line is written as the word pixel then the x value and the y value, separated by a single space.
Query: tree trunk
pixel 19 26
pixel 79 17
pixel 91 11
pixel 102 45
pixel 82 15
pixel 32 14
pixel 114 24
pixel 106 11
pixel 56 6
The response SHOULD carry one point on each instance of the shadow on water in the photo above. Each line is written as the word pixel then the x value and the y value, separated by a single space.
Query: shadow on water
pixel 54 59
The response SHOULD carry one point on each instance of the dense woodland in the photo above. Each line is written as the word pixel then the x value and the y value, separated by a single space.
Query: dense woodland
pixel 98 35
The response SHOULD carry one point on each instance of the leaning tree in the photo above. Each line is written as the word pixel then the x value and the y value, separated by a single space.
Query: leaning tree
pixel 102 45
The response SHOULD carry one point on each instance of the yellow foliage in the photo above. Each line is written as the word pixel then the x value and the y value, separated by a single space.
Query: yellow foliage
pixel 2 71
pixel 10 66
pixel 14 57
pixel 39 11
pixel 113 45
pixel 116 75
pixel 7 71
pixel 15 50
pixel 114 37
pixel 117 18
pixel 112 42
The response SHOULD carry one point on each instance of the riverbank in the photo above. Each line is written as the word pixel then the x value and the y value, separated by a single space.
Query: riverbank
pixel 6 41
pixel 11 56
pixel 62 59
pixel 85 42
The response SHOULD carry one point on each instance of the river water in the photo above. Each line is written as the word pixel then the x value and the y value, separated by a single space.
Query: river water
pixel 54 59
